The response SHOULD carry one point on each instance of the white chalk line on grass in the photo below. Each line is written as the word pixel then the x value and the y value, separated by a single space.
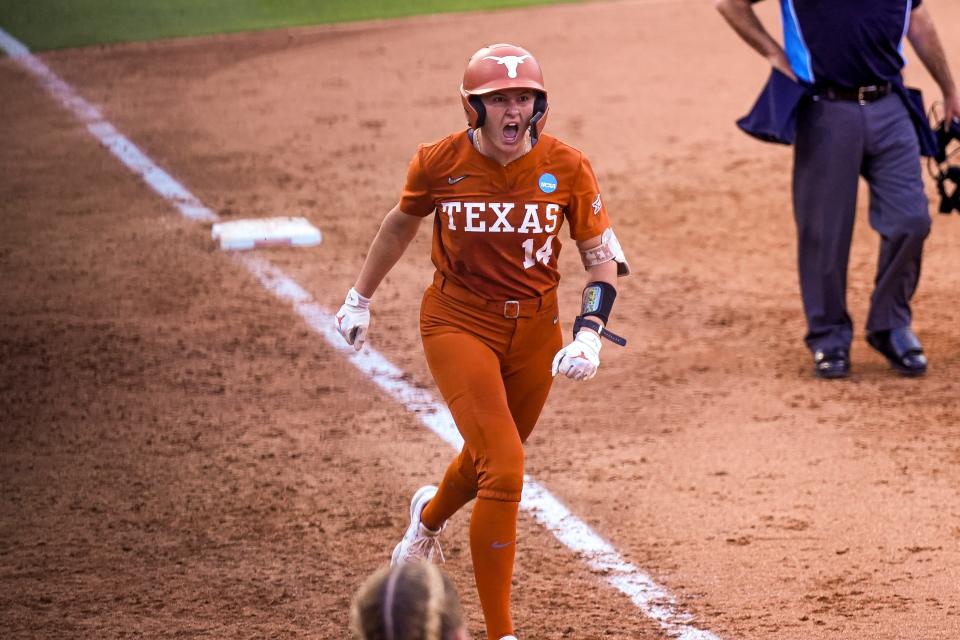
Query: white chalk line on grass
pixel 651 599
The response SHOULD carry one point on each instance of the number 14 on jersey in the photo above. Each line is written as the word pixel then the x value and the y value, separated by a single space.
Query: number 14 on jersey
pixel 542 255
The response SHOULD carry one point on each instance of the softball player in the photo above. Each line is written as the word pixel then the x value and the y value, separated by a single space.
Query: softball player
pixel 501 191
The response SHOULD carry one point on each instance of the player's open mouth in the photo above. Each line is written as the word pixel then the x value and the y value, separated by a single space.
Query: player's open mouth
pixel 511 133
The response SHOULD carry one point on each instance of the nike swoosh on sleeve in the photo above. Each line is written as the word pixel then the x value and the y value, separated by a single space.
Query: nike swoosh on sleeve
pixel 452 180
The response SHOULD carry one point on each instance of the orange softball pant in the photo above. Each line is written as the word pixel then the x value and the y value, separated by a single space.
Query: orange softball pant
pixel 494 374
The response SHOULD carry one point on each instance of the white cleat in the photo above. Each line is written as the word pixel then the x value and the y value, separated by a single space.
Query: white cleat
pixel 419 544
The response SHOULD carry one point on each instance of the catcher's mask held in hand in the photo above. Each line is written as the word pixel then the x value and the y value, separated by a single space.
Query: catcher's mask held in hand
pixel 497 67
pixel 947 175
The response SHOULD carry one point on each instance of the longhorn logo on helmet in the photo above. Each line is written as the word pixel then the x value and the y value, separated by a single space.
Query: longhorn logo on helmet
pixel 510 62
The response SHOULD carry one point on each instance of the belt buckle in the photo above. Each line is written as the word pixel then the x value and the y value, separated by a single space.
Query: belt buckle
pixel 862 92
pixel 511 309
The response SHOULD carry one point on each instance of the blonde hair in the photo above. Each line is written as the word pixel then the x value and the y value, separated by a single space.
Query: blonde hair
pixel 408 602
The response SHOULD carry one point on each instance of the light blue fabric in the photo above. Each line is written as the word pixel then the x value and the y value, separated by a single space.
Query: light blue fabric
pixel 796 48
pixel 906 27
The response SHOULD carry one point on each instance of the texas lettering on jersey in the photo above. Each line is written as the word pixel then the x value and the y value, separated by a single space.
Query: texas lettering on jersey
pixel 475 217
pixel 496 229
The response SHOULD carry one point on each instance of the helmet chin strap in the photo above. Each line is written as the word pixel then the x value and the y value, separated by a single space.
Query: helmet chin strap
pixel 533 127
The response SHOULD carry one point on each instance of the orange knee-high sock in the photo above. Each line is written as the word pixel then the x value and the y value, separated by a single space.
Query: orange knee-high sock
pixel 454 491
pixel 493 545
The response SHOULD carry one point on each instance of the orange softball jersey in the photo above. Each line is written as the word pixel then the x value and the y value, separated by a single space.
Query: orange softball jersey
pixel 496 230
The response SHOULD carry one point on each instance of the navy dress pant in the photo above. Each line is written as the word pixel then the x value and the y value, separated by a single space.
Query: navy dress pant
pixel 837 142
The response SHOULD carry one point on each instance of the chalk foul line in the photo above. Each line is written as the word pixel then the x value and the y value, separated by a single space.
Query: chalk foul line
pixel 653 600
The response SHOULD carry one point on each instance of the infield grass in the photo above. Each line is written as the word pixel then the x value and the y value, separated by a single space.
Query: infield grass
pixel 56 24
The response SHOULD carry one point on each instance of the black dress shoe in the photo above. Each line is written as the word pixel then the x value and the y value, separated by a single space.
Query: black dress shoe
pixel 833 363
pixel 901 348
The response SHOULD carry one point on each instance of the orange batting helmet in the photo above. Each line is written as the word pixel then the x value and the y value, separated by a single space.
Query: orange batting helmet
pixel 497 67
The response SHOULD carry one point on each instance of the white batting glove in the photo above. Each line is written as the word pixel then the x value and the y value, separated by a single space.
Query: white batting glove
pixel 580 359
pixel 353 319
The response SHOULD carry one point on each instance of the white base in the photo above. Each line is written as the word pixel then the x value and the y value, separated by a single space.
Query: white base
pixel 265 232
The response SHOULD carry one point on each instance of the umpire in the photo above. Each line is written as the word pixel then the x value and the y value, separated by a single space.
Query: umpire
pixel 852 117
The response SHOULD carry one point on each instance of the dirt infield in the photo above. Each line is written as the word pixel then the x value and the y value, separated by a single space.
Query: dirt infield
pixel 180 456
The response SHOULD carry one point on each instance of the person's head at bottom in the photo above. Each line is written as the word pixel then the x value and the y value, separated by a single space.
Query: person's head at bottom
pixel 407 602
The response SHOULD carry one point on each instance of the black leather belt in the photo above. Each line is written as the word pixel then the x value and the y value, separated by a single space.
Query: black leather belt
pixel 863 95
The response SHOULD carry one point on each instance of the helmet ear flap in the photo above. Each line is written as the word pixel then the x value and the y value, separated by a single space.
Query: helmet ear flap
pixel 480 110
pixel 540 103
